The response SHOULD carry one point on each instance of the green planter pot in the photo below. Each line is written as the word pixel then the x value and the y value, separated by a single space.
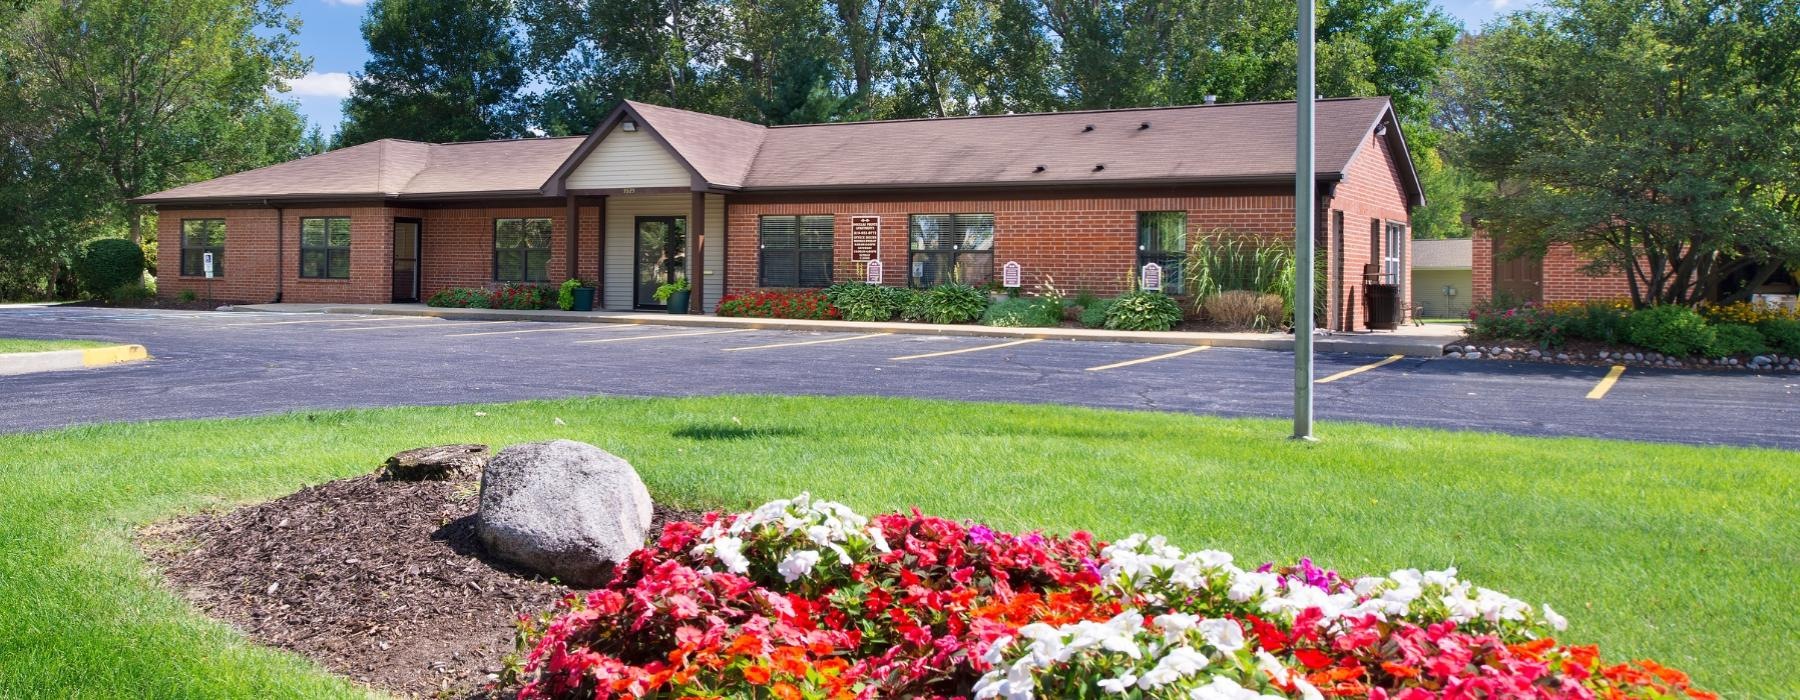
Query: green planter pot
pixel 678 302
pixel 584 299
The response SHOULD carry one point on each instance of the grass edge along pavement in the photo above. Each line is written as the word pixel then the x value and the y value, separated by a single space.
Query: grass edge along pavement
pixel 1678 553
pixel 12 345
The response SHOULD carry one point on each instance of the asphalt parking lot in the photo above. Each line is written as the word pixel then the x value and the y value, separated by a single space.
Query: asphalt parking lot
pixel 212 364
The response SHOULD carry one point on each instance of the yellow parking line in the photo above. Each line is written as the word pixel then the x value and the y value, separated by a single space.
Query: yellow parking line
pixel 664 335
pixel 1152 358
pixel 978 348
pixel 587 327
pixel 1359 370
pixel 429 325
pixel 808 342
pixel 1606 382
pixel 333 320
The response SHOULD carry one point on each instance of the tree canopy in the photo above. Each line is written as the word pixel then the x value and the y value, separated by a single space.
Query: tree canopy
pixel 439 70
pixel 1658 137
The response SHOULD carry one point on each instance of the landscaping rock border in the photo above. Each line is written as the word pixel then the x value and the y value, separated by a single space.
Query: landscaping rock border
pixel 1501 351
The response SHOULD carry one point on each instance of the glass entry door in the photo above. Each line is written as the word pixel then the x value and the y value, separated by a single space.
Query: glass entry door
pixel 661 257
pixel 406 260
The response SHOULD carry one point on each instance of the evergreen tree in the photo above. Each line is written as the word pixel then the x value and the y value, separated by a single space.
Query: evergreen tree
pixel 440 70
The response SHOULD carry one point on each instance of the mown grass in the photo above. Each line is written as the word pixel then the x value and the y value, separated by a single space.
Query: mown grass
pixel 1685 554
pixel 35 345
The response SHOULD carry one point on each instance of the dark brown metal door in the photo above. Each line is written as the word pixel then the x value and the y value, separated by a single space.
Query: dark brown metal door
pixel 661 257
pixel 1518 277
pixel 406 260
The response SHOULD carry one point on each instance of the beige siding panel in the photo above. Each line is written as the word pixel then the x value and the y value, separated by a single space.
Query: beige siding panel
pixel 621 231
pixel 629 159
pixel 715 251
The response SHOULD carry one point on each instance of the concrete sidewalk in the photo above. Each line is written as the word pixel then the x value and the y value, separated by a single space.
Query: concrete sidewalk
pixel 12 363
pixel 1418 341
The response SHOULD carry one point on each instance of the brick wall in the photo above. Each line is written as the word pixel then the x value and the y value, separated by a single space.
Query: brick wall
pixel 1369 196
pixel 1563 276
pixel 247 264
pixel 1079 242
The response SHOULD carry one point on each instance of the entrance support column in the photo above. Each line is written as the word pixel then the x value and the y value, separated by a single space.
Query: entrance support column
pixel 697 255
pixel 600 265
pixel 572 232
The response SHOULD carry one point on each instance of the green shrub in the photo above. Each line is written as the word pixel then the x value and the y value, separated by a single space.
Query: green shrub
pixel 861 301
pixel 1782 334
pixel 1671 330
pixel 459 298
pixel 188 295
pixel 565 295
pixel 912 304
pixel 1599 321
pixel 1143 311
pixel 953 303
pixel 1732 339
pixel 1024 313
pixel 107 264
pixel 1093 314
pixel 1222 261
pixel 1084 299
pixel 132 291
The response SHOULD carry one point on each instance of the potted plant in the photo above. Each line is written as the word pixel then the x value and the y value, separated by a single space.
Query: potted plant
pixel 575 295
pixel 675 295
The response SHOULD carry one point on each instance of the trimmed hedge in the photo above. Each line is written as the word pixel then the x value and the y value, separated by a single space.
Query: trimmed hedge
pixel 106 265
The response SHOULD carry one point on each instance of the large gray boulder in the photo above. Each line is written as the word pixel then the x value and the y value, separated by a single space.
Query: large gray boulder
pixel 562 508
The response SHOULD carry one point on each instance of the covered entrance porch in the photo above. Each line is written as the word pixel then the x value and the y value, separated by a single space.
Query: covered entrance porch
pixel 649 239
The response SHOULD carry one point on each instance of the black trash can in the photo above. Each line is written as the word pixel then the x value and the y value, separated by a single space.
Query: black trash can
pixel 1381 306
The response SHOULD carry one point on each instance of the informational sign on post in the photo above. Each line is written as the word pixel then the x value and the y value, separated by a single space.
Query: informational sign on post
pixel 206 263
pixel 1152 277
pixel 874 272
pixel 865 238
pixel 1010 274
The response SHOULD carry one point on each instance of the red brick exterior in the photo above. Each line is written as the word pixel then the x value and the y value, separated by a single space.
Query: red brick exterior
pixel 1563 276
pixel 1078 242
pixel 1369 196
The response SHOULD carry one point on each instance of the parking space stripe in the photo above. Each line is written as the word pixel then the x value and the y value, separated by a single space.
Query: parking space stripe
pixel 1606 382
pixel 977 348
pixel 587 327
pixel 1359 370
pixel 331 320
pixel 427 325
pixel 808 342
pixel 1152 358
pixel 663 335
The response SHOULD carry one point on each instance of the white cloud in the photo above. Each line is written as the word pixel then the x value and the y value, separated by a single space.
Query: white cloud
pixel 349 3
pixel 1499 4
pixel 334 85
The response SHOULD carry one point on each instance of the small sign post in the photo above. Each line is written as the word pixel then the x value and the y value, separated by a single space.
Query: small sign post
pixel 206 264
pixel 1153 281
pixel 874 272
pixel 865 238
pixel 1010 274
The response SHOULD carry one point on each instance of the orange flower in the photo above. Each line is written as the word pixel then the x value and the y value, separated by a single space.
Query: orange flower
pixel 1534 649
pixel 790 660
pixel 745 644
pixel 1584 656
pixel 1399 670
pixel 756 675
pixel 786 691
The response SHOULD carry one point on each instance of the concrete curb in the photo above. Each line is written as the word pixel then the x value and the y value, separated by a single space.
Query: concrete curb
pixel 57 360
pixel 1384 345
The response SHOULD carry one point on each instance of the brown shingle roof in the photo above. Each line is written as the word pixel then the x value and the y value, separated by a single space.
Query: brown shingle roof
pixel 1209 143
pixel 390 168
pixel 1442 254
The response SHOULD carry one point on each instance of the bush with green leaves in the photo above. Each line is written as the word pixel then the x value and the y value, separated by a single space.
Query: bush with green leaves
pixel 1143 311
pixel 952 303
pixel 1782 334
pixel 459 298
pixel 106 265
pixel 1733 339
pixel 1027 312
pixel 861 301
pixel 565 294
pixel 1671 330
pixel 1093 314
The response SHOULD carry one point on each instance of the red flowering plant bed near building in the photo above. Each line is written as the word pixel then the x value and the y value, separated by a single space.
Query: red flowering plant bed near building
pixel 806 599
pixel 809 304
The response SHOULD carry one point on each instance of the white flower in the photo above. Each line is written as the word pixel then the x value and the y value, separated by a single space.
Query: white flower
pixel 997 652
pixel 1118 685
pixel 1247 585
pixel 1227 636
pixel 1222 688
pixel 1557 622
pixel 730 552
pixel 797 564
pixel 1175 625
pixel 1180 662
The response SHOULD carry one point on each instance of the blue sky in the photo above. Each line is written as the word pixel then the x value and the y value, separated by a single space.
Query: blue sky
pixel 331 33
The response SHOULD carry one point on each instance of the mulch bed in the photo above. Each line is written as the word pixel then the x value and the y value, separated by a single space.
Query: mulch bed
pixel 157 303
pixel 381 581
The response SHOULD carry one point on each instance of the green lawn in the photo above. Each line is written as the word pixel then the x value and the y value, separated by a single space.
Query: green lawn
pixel 1684 554
pixel 35 345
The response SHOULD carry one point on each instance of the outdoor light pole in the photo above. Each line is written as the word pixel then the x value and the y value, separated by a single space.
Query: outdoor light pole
pixel 1303 229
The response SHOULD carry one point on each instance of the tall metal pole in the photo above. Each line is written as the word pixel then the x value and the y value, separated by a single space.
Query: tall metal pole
pixel 1305 205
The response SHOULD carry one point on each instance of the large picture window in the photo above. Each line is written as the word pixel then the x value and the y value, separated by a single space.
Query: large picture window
pixel 1162 239
pixel 325 247
pixel 951 248
pixel 795 251
pixel 199 237
pixel 522 250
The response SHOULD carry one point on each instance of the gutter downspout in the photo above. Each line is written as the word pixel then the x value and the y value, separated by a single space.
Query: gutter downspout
pixel 280 249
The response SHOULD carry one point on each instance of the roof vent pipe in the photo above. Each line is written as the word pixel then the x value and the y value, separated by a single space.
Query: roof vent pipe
pixel 1099 167
pixel 1087 128
pixel 1143 126
pixel 1211 99
pixel 1039 169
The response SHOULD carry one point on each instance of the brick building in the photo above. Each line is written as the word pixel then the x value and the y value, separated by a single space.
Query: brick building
pixel 1083 199
pixel 1557 275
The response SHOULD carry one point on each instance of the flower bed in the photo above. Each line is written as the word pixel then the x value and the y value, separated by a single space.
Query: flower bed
pixel 807 599
pixel 511 296
pixel 1757 336
pixel 774 304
